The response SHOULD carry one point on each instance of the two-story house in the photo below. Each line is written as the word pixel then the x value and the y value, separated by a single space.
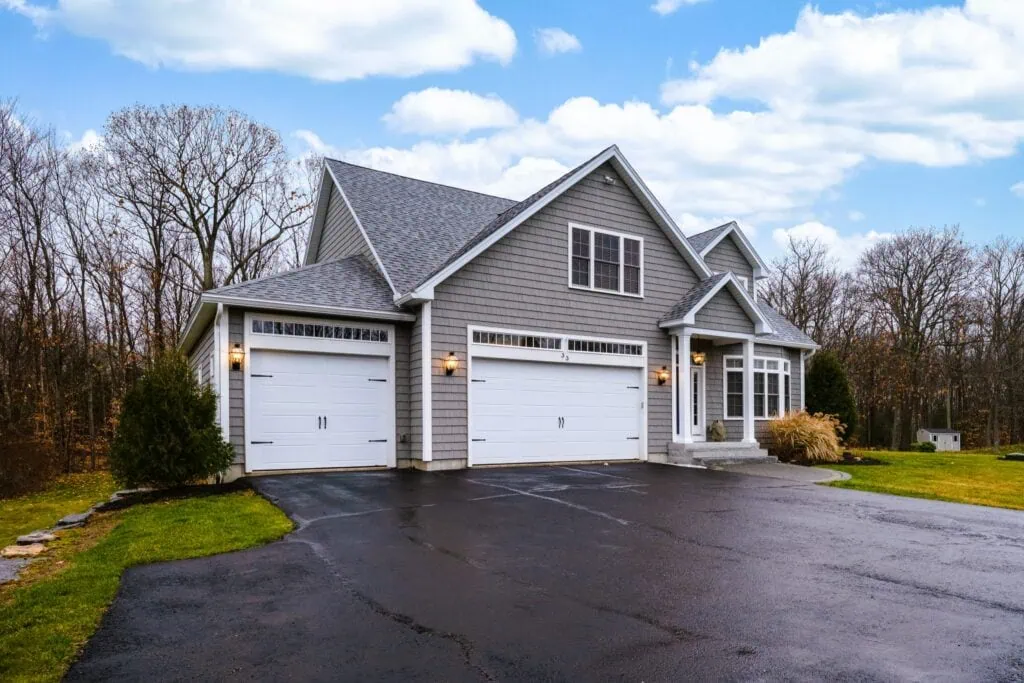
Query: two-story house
pixel 439 328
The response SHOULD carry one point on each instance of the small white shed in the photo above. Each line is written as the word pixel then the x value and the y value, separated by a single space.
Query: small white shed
pixel 944 439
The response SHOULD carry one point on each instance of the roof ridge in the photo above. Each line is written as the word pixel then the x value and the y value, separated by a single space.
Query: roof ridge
pixel 420 180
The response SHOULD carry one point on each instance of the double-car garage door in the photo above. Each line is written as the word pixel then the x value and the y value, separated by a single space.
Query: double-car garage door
pixel 526 412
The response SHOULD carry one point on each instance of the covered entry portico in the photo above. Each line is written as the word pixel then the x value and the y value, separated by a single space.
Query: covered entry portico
pixel 713 332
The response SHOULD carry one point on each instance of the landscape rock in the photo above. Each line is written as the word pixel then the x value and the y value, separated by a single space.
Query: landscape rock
pixel 9 569
pixel 36 537
pixel 23 550
pixel 72 521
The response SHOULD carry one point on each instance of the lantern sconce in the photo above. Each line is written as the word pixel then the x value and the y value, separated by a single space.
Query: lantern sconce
pixel 698 358
pixel 451 364
pixel 235 356
pixel 662 375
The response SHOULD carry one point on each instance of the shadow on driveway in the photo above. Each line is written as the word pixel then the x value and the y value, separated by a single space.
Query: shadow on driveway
pixel 633 572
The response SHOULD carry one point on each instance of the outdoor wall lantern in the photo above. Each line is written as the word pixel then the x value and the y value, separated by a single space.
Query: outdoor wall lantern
pixel 235 356
pixel 451 364
pixel 662 375
pixel 698 358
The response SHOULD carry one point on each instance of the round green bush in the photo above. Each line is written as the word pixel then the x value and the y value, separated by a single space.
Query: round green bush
pixel 167 434
pixel 923 447
pixel 829 392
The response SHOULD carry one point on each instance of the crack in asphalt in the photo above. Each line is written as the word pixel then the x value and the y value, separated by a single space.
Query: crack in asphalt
pixel 678 633
pixel 465 645
pixel 933 591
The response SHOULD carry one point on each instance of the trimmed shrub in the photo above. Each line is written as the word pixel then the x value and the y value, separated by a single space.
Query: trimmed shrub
pixel 167 434
pixel 923 447
pixel 829 392
pixel 805 438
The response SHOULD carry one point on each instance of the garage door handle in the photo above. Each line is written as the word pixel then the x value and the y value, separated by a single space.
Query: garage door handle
pixel 259 443
pixel 318 423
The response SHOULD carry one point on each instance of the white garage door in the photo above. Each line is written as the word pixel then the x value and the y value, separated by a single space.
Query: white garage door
pixel 313 410
pixel 546 412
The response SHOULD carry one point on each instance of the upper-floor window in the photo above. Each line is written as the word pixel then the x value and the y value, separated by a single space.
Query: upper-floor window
pixel 605 261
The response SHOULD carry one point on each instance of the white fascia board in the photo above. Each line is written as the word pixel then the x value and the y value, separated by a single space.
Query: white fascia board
pixel 362 230
pixel 315 309
pixel 761 324
pixel 611 154
pixel 746 248
pixel 203 313
pixel 323 195
pixel 637 185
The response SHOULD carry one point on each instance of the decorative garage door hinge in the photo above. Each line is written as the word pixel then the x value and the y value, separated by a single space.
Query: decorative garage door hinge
pixel 377 380
pixel 632 438
pixel 629 387
pixel 259 443
pixel 480 381
pixel 478 440
pixel 255 375
pixel 378 440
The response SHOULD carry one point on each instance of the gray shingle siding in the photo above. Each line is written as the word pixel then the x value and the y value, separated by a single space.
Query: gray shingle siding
pixel 415 390
pixel 727 257
pixel 341 236
pixel 521 283
pixel 724 313
pixel 236 386
pixel 403 419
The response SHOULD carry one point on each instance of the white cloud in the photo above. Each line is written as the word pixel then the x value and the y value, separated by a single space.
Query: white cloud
pixel 553 41
pixel 90 140
pixel 664 7
pixel 846 249
pixel 332 41
pixel 1018 189
pixel 980 202
pixel 435 110
pixel 936 87
pixel 856 216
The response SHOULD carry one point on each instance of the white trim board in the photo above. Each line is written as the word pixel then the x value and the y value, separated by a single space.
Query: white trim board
pixel 315 309
pixel 746 302
pixel 746 248
pixel 633 180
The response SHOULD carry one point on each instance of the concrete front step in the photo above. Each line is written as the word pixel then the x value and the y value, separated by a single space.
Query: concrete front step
pixel 717 454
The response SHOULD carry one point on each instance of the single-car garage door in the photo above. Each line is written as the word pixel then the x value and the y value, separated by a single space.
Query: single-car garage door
pixel 525 412
pixel 315 410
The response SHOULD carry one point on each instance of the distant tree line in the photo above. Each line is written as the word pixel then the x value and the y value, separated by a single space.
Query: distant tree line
pixel 104 250
pixel 929 328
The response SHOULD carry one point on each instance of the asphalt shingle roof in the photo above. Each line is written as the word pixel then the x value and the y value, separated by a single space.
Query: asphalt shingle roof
pixel 414 225
pixel 703 239
pixel 692 298
pixel 351 282
pixel 783 330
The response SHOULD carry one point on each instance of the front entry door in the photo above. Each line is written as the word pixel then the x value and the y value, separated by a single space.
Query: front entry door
pixel 698 417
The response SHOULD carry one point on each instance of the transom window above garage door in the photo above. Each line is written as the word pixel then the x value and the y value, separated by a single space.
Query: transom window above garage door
pixel 525 341
pixel 588 346
pixel 318 330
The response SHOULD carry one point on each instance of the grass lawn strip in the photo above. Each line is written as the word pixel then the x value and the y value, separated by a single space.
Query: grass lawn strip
pixel 47 619
pixel 68 494
pixel 974 478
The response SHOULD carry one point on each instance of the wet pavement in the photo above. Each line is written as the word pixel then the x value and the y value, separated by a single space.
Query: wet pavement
pixel 632 572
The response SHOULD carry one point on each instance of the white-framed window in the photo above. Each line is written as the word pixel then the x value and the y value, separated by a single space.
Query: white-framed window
pixel 733 387
pixel 318 330
pixel 605 261
pixel 935 438
pixel 772 387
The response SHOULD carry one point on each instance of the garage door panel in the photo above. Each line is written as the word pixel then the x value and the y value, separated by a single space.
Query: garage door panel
pixel 516 406
pixel 287 407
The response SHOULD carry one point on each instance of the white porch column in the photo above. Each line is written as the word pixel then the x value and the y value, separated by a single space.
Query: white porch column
pixel 685 391
pixel 748 392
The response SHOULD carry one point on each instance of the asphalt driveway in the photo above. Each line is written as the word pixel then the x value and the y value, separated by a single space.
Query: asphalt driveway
pixel 633 572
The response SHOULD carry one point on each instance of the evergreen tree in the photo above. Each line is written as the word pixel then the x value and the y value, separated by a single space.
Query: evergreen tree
pixel 168 434
pixel 829 392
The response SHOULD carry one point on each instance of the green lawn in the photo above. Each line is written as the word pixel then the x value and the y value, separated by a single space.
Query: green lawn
pixel 45 622
pixel 976 478
pixel 70 493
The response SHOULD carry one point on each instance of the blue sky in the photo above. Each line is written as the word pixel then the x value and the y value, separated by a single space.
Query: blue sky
pixel 841 121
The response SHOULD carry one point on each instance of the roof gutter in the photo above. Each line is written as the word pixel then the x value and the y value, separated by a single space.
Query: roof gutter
pixel 315 309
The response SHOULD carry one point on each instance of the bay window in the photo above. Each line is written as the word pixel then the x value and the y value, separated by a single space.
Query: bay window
pixel 605 261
